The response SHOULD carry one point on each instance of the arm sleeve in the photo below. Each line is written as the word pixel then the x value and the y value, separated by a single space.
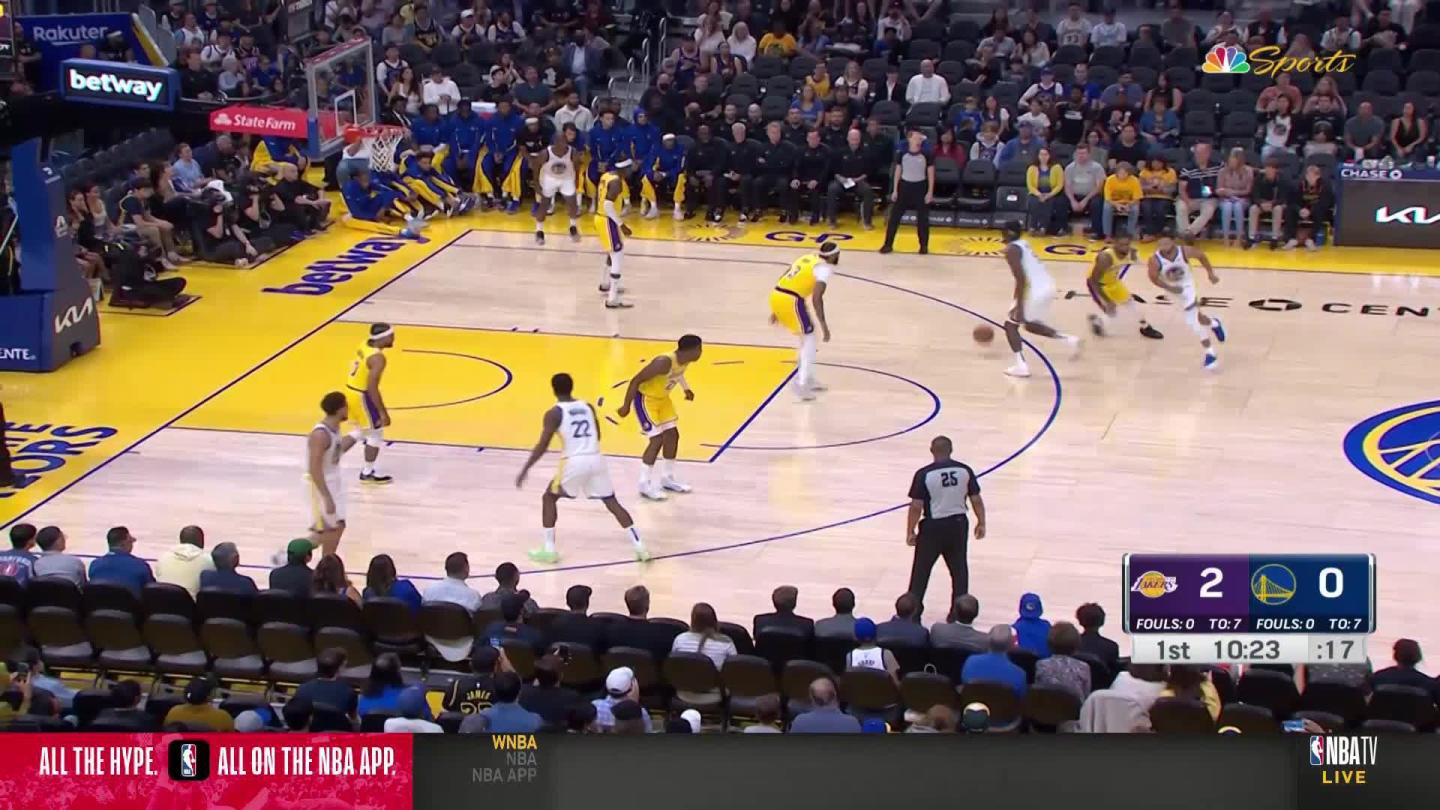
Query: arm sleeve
pixel 974 488
pixel 917 486
pixel 1032 180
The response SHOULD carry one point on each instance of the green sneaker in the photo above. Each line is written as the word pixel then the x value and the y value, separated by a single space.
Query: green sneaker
pixel 540 555
pixel 642 554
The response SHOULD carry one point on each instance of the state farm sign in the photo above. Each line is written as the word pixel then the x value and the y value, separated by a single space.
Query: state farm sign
pixel 278 122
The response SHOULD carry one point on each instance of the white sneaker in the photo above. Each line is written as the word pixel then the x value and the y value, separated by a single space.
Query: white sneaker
pixel 1074 344
pixel 679 214
pixel 805 394
pixel 674 486
pixel 1309 244
pixel 652 492
pixel 816 385
pixel 1018 370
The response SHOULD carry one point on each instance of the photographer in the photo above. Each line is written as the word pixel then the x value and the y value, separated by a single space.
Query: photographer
pixel 218 238
pixel 253 204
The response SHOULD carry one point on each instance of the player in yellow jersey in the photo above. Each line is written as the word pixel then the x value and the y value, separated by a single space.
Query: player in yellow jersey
pixel 802 286
pixel 367 406
pixel 613 185
pixel 1109 291
pixel 649 391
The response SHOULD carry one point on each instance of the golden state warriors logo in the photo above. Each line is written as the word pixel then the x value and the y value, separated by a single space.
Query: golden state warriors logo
pixel 1272 584
pixel 710 232
pixel 1153 585
pixel 977 246
pixel 1400 449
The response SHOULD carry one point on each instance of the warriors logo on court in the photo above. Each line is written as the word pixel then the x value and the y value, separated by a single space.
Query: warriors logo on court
pixel 977 246
pixel 1400 448
pixel 710 232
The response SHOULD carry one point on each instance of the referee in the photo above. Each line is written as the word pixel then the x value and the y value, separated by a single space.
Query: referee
pixel 938 494
pixel 913 190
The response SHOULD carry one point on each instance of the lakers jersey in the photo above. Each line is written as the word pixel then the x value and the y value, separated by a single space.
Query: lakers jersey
pixel 1117 266
pixel 803 274
pixel 603 190
pixel 659 387
pixel 359 377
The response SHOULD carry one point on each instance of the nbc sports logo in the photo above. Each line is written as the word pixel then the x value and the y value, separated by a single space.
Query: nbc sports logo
pixel 1226 59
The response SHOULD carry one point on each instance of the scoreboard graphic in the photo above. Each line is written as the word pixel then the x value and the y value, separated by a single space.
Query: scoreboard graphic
pixel 1281 608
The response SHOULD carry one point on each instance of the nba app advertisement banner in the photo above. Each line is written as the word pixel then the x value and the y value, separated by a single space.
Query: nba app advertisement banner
pixel 60 36
pixel 195 771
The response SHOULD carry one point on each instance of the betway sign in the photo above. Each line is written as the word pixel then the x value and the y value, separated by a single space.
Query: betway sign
pixel 1411 215
pixel 119 85
pixel 278 122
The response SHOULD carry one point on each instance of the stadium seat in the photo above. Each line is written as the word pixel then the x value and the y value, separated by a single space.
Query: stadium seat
pixel 952 71
pixel 1340 699
pixel 832 650
pixel 978 186
pixel 335 610
pixel 746 84
pixel 1026 660
pixel 1332 723
pixel 116 637
pixel 1002 701
pixel 12 632
pixel 162 597
pixel 278 606
pixel 1198 124
pixel 763 67
pixel 581 670
pixel 176 646
pixel 696 683
pixel 647 673
pixel 1407 704
pixel 1426 82
pixel 1249 719
pixel 12 593
pixel 926 29
pixel 482 54
pixel 1387 727
pixel 61 639
pixel 1186 58
pixel 446 54
pixel 1050 707
pixel 1110 56
pixel 919 691
pixel 1145 56
pixel 1239 125
pixel 287 648
pixel 1181 78
pixel 967 30
pixel 780 644
pixel 88 703
pixel 869 692
pixel 1218 83
pixel 232 649
pixel 448 623
pixel 782 87
pixel 745 679
pixel 159 705
pixel 235 703
pixel 1384 82
pixel 325 719
pixel 886 112
pixel 774 107
pixel 744 645
pixel 1385 59
pixel 795 680
pixel 521 656
pixel 1146 77
pixel 1068 55
pixel 358 657
pixel 393 627
pixel 924 49
pixel 212 603
pixel 1180 716
pixel 374 722
pixel 949 661
pixel 1237 101
pixel 958 50
pixel 55 592
pixel 915 657
pixel 1273 690
pixel 1425 59
pixel 800 67
pixel 923 114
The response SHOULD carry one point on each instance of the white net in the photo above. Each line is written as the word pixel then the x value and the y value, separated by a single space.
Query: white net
pixel 383 141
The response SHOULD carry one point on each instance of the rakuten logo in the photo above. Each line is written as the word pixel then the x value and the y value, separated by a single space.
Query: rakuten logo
pixel 108 84
pixel 66 34
pixel 1413 215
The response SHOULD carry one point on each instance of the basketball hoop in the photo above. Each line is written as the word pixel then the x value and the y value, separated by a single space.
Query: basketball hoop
pixel 382 140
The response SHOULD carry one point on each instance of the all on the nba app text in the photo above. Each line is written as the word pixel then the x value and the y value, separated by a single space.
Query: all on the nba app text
pixel 278 760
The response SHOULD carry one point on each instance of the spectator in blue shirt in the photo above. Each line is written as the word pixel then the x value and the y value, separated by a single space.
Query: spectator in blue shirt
pixel 1031 631
pixel 506 715
pixel 382 692
pixel 18 562
pixel 995 665
pixel 225 577
pixel 119 565
pixel 1023 147
pixel 381 580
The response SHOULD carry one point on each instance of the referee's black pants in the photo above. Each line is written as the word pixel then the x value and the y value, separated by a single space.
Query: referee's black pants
pixel 6 476
pixel 943 538
pixel 910 197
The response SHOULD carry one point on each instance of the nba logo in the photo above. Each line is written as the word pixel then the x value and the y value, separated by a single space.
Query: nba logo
pixel 1317 750
pixel 189 760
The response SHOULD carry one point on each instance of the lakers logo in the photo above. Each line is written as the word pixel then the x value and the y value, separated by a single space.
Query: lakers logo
pixel 977 246
pixel 1272 584
pixel 711 232
pixel 1400 448
pixel 1153 585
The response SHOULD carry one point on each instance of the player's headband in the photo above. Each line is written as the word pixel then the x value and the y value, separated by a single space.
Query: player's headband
pixel 829 249
pixel 623 164
pixel 382 335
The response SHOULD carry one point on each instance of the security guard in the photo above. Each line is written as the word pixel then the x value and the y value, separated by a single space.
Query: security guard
pixel 937 525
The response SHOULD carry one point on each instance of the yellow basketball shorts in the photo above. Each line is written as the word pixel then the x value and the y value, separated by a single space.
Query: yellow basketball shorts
pixel 1113 291
pixel 792 311
pixel 655 414
pixel 610 236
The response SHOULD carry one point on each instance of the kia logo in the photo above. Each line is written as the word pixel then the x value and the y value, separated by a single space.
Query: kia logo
pixel 1413 215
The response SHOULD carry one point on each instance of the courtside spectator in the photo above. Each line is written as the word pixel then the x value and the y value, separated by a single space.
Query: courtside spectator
pixel 382 581
pixel 994 664
pixel 330 578
pixel 53 561
pixel 297 714
pixel 249 722
pixel 473 693
pixel 1124 708
pixel 1085 188
pixel 785 599
pixel 18 561
pixel 575 626
pixel 1062 669
pixel 197 711
pixel 1197 193
pixel 295 575
pixel 904 627
pixel 637 631
pixel 506 715
pixel 1091 617
pixel 767 716
pixel 1192 683
pixel 546 697
pixel 936 720
pixel 824 716
pixel 507 580
pixel 842 624
pixel 413 709
pixel 1122 197
pixel 1406 671
pixel 704 636
pixel 511 625
pixel 184 563
pixel 959 631
pixel 119 565
pixel 620 687
pixel 326 689
pixel 868 654
pixel 453 587
pixel 124 713
pixel 225 576
pixel 382 690
pixel 1031 631
pixel 1365 134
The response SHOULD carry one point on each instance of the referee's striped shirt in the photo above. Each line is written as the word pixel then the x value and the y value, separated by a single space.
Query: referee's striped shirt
pixel 943 487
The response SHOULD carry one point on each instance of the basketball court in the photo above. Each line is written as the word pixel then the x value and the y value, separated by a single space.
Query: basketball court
pixel 199 417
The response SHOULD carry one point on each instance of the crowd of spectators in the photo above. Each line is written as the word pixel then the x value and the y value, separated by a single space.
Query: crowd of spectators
pixel 515 667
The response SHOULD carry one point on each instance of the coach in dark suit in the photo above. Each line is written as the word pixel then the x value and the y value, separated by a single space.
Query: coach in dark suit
pixel 785 598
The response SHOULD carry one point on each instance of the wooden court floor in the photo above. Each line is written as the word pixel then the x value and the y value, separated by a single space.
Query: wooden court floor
pixel 1130 448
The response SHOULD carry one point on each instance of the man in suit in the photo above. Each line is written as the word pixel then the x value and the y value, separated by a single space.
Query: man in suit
pixel 959 632
pixel 1406 671
pixel 785 598
pixel 576 626
pixel 825 717
pixel 637 630
pixel 892 89
pixel 905 627
pixel 125 712
pixel 842 624
pixel 584 57
pixel 1091 617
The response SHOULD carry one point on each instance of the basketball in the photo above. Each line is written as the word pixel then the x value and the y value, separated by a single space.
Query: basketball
pixel 984 334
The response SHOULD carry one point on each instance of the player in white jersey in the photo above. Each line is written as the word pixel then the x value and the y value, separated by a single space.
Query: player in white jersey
pixel 554 170
pixel 1034 293
pixel 326 494
pixel 1170 271
pixel 582 469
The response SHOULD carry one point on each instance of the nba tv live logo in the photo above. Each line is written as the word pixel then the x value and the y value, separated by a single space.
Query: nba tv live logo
pixel 1343 760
